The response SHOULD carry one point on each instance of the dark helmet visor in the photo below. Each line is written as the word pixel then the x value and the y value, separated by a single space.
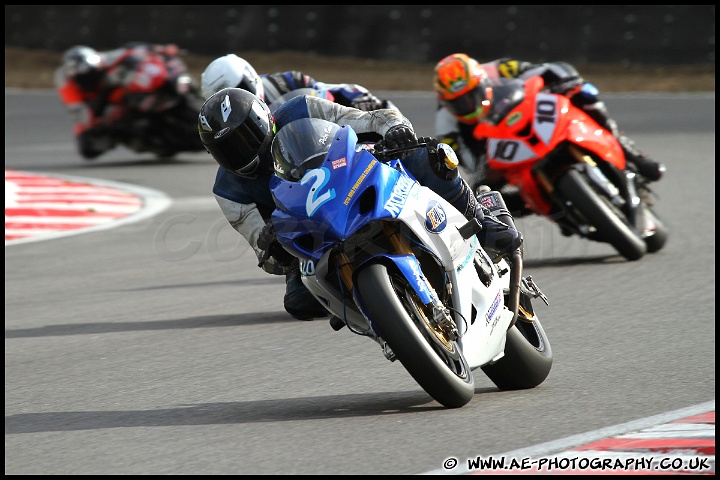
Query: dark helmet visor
pixel 240 149
pixel 474 105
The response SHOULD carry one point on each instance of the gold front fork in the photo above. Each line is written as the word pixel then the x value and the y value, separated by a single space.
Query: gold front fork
pixel 398 242
pixel 346 270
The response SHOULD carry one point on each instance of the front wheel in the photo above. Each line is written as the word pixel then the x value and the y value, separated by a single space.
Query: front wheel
pixel 435 361
pixel 609 222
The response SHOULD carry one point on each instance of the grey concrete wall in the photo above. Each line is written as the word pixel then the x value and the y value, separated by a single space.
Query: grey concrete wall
pixel 623 34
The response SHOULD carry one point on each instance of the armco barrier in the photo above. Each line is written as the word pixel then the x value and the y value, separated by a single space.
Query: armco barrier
pixel 580 34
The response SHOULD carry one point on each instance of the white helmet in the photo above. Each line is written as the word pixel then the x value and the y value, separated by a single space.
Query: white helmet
pixel 230 71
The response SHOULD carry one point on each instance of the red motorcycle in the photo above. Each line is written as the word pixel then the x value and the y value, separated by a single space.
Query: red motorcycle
pixel 143 98
pixel 160 107
pixel 572 171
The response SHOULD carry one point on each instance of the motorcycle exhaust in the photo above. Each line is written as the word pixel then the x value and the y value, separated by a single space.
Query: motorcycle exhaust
pixel 515 281
pixel 494 201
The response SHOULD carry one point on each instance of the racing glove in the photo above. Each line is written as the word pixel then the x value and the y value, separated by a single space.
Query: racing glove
pixel 400 136
pixel 443 160
pixel 267 241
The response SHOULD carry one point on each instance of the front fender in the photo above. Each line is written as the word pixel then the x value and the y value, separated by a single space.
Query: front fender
pixel 409 267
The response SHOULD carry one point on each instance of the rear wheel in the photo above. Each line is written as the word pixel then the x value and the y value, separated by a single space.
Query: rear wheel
pixel 528 356
pixel 609 222
pixel 655 232
pixel 433 358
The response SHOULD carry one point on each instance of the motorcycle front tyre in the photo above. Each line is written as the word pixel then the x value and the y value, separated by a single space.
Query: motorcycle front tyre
pixel 438 367
pixel 607 220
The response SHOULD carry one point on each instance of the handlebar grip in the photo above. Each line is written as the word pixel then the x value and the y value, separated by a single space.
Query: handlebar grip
pixel 386 155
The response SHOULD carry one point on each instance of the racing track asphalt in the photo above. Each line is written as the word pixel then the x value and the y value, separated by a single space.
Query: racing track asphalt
pixel 43 207
pixel 615 438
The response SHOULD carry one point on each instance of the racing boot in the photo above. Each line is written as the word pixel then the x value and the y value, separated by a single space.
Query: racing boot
pixel 648 168
pixel 496 236
pixel 298 300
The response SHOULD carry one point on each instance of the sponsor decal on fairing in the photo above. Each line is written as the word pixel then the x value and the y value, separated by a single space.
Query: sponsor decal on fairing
pixel 492 314
pixel 435 218
pixel 360 179
pixel 399 196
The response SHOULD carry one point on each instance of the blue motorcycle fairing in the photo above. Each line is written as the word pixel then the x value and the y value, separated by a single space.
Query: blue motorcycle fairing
pixel 330 203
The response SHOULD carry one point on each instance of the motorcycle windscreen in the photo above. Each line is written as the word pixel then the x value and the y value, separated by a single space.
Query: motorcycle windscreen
pixel 301 145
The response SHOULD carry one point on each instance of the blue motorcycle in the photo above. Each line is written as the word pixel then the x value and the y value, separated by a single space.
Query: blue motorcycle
pixel 393 261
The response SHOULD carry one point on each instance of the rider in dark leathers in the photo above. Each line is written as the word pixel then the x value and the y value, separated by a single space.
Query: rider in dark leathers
pixel 237 129
pixel 233 71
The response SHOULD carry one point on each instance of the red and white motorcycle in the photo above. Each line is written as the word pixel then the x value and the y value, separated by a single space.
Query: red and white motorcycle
pixel 572 171
pixel 146 101
pixel 160 107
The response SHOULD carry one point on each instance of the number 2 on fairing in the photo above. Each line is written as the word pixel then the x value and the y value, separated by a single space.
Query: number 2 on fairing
pixel 314 199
